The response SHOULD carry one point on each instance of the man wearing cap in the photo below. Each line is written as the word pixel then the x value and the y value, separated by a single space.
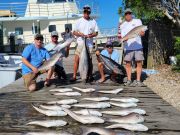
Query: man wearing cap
pixel 59 69
pixel 32 57
pixel 111 53
pixel 133 48
pixel 85 27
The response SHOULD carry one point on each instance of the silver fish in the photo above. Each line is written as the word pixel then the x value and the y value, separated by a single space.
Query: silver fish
pixel 98 105
pixel 98 99
pixel 61 90
pixel 53 107
pixel 116 91
pixel 131 118
pixel 125 112
pixel 134 32
pixel 50 112
pixel 70 94
pixel 49 123
pixel 84 90
pixel 89 112
pixel 132 127
pixel 60 46
pixel 63 102
pixel 85 119
pixel 125 100
pixel 124 105
pixel 48 133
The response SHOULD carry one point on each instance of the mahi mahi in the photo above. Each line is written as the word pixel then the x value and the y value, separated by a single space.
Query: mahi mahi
pixel 64 102
pixel 125 100
pixel 124 105
pixel 70 94
pixel 98 99
pixel 89 112
pixel 116 91
pixel 49 123
pixel 132 127
pixel 84 90
pixel 85 119
pixel 98 105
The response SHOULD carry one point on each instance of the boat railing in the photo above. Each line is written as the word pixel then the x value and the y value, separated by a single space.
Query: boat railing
pixel 107 32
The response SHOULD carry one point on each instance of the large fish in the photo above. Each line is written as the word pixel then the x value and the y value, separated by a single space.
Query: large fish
pixel 54 107
pixel 116 91
pixel 98 105
pixel 70 94
pixel 84 90
pixel 124 105
pixel 85 119
pixel 63 102
pixel 52 61
pixel 132 127
pixel 48 123
pixel 125 112
pixel 48 133
pixel 134 32
pixel 98 99
pixel 89 112
pixel 85 64
pixel 112 65
pixel 61 90
pixel 131 118
pixel 125 99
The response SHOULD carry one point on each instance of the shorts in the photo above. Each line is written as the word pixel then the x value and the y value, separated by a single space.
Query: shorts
pixel 80 47
pixel 131 54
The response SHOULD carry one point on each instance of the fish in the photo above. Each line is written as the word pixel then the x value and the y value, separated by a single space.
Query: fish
pixel 52 61
pixel 88 112
pixel 48 133
pixel 116 91
pixel 112 65
pixel 64 102
pixel 70 94
pixel 53 107
pixel 61 90
pixel 98 99
pixel 48 123
pixel 50 112
pixel 85 63
pixel 131 118
pixel 101 131
pixel 85 119
pixel 124 105
pixel 125 112
pixel 84 90
pixel 98 105
pixel 134 32
pixel 132 127
pixel 125 100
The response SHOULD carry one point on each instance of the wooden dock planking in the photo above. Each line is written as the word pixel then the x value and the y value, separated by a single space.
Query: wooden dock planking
pixel 16 109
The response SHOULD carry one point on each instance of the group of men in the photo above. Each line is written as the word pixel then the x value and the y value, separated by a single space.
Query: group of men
pixel 34 55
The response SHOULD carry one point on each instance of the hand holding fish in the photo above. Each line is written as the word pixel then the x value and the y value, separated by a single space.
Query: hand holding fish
pixel 142 33
pixel 35 70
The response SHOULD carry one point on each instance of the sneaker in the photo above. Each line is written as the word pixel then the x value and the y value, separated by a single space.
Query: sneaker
pixel 72 79
pixel 128 83
pixel 140 84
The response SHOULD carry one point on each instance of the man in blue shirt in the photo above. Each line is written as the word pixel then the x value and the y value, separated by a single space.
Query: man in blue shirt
pixel 32 57
pixel 111 53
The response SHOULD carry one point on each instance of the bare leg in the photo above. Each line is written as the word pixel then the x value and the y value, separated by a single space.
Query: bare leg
pixel 76 65
pixel 139 70
pixel 101 70
pixel 128 69
pixel 50 73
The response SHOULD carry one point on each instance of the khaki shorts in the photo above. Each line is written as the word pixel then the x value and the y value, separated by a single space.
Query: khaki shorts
pixel 80 47
pixel 131 54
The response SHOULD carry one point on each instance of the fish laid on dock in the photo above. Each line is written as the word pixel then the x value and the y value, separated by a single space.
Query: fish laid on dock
pixel 98 99
pixel 63 102
pixel 131 119
pixel 116 91
pixel 61 90
pixel 85 119
pixel 70 94
pixel 48 133
pixel 98 105
pixel 125 112
pixel 50 112
pixel 124 105
pixel 48 123
pixel 125 99
pixel 132 127
pixel 54 107
pixel 88 112
pixel 84 90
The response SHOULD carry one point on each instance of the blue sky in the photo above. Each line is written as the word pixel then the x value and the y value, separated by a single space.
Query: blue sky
pixel 108 10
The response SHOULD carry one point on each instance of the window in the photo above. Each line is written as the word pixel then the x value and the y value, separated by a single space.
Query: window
pixel 69 25
pixel 34 30
pixel 52 28
pixel 19 31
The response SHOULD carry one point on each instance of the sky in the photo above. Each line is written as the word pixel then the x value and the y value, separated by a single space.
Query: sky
pixel 108 10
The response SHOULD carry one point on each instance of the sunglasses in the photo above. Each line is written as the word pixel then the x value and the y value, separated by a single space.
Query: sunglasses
pixel 128 13
pixel 41 39
pixel 109 46
pixel 86 8
pixel 55 36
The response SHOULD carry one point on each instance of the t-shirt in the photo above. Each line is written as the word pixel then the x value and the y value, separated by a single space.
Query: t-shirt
pixel 35 56
pixel 114 56
pixel 50 48
pixel 134 43
pixel 86 27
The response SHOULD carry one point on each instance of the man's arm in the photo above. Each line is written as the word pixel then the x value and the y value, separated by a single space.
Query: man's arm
pixel 92 35
pixel 78 34
pixel 28 64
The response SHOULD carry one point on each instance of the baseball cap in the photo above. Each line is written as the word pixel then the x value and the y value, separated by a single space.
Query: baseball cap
pixel 54 33
pixel 109 44
pixel 87 8
pixel 128 10
pixel 38 36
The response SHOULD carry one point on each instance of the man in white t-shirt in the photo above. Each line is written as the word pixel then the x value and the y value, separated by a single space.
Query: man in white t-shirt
pixel 85 27
pixel 133 48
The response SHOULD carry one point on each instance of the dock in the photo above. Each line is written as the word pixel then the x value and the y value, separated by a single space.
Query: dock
pixel 16 107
